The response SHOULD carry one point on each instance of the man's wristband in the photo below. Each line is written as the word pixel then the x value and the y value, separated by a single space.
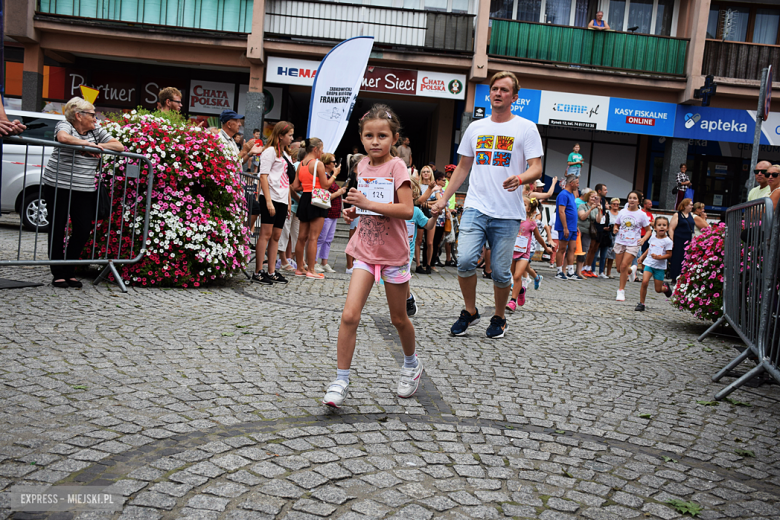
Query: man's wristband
pixel 520 180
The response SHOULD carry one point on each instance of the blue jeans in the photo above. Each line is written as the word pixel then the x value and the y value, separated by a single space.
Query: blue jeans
pixel 601 256
pixel 475 229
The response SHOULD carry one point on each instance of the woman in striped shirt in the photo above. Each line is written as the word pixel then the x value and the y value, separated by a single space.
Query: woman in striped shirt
pixel 69 186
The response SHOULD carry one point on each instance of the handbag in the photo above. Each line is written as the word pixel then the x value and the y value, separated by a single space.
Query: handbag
pixel 674 190
pixel 103 201
pixel 319 197
pixel 594 231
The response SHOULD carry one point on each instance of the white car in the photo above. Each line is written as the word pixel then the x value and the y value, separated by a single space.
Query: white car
pixel 18 190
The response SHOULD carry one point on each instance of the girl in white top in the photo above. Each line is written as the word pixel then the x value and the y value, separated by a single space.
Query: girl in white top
pixel 274 197
pixel 629 240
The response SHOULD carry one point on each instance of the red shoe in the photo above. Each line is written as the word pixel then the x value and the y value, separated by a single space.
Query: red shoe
pixel 589 274
pixel 521 298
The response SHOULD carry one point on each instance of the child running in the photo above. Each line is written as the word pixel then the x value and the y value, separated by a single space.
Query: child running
pixel 522 255
pixel 418 219
pixel 654 260
pixel 629 224
pixel 380 247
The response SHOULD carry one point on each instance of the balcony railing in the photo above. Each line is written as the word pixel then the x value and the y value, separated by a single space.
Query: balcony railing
pixel 233 16
pixel 313 20
pixel 579 46
pixel 738 60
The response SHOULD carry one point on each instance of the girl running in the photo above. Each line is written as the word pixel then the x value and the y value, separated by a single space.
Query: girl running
pixel 654 260
pixel 380 248
pixel 522 255
pixel 629 224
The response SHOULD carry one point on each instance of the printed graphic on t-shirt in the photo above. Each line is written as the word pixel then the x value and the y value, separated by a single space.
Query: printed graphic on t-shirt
pixel 284 180
pixel 629 229
pixel 501 158
pixel 483 157
pixel 373 229
pixel 485 142
pixel 504 142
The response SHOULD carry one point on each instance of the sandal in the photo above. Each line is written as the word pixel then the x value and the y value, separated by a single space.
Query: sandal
pixel 60 283
pixel 300 273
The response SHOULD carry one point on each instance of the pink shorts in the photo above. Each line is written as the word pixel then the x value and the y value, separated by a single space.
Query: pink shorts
pixel 390 274
pixel 521 256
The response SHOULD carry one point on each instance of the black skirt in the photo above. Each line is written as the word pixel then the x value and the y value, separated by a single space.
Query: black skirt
pixel 307 211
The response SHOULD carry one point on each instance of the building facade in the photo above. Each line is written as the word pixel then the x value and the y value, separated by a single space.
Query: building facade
pixel 625 95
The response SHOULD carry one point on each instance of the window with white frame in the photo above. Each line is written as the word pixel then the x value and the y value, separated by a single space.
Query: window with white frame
pixel 642 16
pixel 558 12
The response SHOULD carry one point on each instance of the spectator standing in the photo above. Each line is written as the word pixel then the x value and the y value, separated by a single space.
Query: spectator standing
pixel 680 231
pixel 418 220
pixel 8 127
pixel 589 215
pixel 289 236
pixel 449 261
pixel 595 243
pixel 574 161
pixel 231 122
pixel 427 185
pixel 69 185
pixel 699 218
pixel 683 184
pixel 352 161
pixel 762 190
pixel 329 227
pixel 598 23
pixel 498 147
pixel 773 176
pixel 311 175
pixel 169 99
pixel 612 215
pixel 433 238
pixel 404 152
pixel 566 225
pixel 629 239
pixel 274 194
pixel 647 205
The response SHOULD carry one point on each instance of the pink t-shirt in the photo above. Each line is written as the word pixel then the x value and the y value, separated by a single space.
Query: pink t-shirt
pixel 382 240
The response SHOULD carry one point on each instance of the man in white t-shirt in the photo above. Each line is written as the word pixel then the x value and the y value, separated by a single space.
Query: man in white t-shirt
pixel 496 150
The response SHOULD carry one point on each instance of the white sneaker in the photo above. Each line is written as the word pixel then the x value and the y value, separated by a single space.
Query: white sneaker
pixel 336 393
pixel 604 275
pixel 349 271
pixel 410 380
pixel 328 269
pixel 318 268
pixel 621 296
pixel 632 274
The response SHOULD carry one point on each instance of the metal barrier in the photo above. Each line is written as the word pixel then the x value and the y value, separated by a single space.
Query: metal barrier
pixel 27 181
pixel 250 183
pixel 747 255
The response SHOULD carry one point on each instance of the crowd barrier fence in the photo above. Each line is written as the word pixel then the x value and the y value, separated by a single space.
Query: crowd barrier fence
pixel 750 272
pixel 25 160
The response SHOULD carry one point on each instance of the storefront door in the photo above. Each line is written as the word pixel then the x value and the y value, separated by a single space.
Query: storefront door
pixel 718 182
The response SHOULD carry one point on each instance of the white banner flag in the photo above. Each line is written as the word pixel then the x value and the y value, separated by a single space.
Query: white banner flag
pixel 336 86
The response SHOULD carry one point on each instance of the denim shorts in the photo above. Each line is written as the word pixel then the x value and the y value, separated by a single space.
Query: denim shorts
pixel 476 228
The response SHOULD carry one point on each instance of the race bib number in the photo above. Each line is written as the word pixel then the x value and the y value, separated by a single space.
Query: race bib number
pixel 376 189
pixel 410 227
pixel 521 244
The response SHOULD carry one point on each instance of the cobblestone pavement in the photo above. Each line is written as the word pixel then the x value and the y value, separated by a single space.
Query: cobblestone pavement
pixel 204 403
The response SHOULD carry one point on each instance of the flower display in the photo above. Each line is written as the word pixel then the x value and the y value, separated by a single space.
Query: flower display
pixel 197 230
pixel 699 287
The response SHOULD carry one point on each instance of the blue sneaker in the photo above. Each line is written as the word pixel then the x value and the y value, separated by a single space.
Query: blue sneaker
pixel 538 281
pixel 496 328
pixel 561 276
pixel 466 319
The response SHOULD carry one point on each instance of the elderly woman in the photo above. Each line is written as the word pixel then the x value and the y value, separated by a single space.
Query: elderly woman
pixel 70 185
